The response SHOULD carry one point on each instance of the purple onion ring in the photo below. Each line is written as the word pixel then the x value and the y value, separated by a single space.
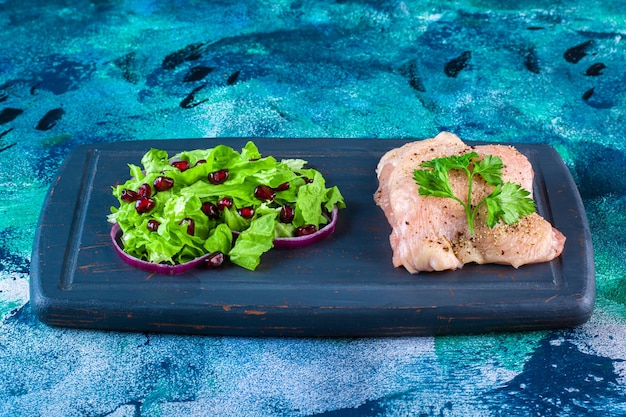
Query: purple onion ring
pixel 166 269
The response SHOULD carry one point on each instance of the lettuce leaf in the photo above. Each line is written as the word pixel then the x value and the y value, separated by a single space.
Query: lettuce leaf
pixel 220 239
pixel 253 242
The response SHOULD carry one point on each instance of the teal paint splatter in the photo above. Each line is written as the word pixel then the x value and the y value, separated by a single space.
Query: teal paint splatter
pixel 318 69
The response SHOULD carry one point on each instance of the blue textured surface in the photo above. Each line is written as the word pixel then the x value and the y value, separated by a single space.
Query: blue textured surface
pixel 103 71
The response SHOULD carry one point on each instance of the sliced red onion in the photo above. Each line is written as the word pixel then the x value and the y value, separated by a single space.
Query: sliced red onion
pixel 279 243
pixel 298 242
pixel 303 241
pixel 165 269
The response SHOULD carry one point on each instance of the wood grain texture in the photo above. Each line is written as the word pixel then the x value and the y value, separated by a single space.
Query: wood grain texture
pixel 343 286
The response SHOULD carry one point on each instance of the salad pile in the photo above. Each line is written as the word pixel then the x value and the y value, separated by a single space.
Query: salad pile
pixel 176 209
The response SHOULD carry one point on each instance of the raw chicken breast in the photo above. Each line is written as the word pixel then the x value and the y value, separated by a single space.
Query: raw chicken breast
pixel 432 234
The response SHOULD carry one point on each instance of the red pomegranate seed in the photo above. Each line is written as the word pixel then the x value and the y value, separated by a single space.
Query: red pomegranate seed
pixel 162 183
pixel 129 196
pixel 282 187
pixel 191 225
pixel 306 179
pixel 215 260
pixel 181 165
pixel 210 210
pixel 153 225
pixel 144 190
pixel 307 229
pixel 218 177
pixel 144 205
pixel 200 162
pixel 264 193
pixel 286 214
pixel 246 212
pixel 224 203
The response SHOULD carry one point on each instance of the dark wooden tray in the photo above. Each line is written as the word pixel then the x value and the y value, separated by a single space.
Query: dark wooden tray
pixel 343 286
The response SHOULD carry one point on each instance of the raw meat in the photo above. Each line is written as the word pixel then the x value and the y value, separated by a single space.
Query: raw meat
pixel 432 234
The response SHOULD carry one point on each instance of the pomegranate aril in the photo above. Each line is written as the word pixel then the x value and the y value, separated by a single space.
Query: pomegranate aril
pixel 215 260
pixel 144 205
pixel 200 162
pixel 307 229
pixel 282 187
pixel 210 210
pixel 181 165
pixel 224 203
pixel 144 190
pixel 287 214
pixel 307 180
pixel 153 225
pixel 264 193
pixel 246 212
pixel 218 177
pixel 129 196
pixel 191 225
pixel 162 183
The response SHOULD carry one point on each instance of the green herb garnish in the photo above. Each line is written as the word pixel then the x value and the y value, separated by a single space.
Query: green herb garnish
pixel 508 201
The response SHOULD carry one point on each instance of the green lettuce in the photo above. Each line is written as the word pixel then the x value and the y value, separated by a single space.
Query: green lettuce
pixel 247 169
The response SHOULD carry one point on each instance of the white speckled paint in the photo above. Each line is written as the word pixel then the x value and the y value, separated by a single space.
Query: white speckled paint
pixel 323 69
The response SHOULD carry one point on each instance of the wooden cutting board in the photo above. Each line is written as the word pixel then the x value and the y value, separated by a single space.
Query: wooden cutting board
pixel 345 286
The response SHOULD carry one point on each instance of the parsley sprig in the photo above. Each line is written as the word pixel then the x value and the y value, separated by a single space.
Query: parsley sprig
pixel 508 201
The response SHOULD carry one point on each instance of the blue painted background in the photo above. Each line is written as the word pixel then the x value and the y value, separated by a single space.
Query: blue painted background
pixel 103 71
